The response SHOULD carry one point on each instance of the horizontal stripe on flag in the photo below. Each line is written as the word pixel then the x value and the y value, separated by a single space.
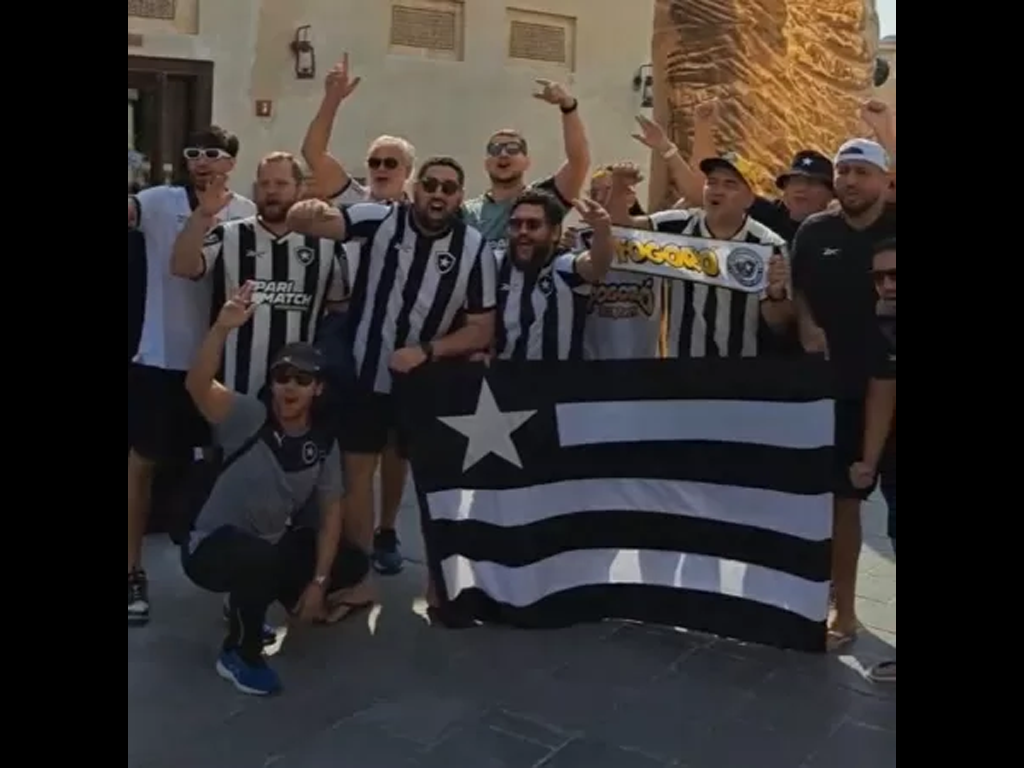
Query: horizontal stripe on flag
pixel 517 526
pixel 788 470
pixel 698 611
pixel 785 425
pixel 446 387
pixel 803 517
pixel 529 584
pixel 617 529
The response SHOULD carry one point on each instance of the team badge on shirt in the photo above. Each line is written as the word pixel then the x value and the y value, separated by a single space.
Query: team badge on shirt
pixel 445 263
pixel 546 285
pixel 310 453
pixel 305 256
pixel 745 266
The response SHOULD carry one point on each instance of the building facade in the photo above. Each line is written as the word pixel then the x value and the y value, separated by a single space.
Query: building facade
pixel 443 73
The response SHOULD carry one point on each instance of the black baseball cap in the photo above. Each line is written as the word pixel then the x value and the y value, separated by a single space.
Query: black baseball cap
pixel 810 165
pixel 300 356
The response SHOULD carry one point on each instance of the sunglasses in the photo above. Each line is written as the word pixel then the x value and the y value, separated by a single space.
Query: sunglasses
pixel 375 163
pixel 530 225
pixel 881 275
pixel 288 376
pixel 431 185
pixel 209 153
pixel 510 148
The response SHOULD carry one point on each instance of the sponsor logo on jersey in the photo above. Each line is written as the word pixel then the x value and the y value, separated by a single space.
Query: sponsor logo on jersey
pixel 282 294
pixel 624 301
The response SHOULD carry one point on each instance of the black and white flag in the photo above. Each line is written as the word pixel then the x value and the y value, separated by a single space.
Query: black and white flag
pixel 688 493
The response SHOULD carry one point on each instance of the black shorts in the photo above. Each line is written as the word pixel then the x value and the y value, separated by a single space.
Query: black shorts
pixel 849 438
pixel 367 422
pixel 163 422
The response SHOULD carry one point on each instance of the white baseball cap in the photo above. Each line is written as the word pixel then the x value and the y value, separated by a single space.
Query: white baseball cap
pixel 863 151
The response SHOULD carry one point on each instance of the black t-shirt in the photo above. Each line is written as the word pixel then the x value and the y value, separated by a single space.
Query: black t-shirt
pixel 885 357
pixel 831 263
pixel 774 215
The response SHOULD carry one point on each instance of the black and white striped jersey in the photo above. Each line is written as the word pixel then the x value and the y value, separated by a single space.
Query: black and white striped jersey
pixel 294 276
pixel 541 315
pixel 409 286
pixel 707 321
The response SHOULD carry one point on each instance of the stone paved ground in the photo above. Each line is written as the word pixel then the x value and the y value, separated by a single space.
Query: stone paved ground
pixel 388 691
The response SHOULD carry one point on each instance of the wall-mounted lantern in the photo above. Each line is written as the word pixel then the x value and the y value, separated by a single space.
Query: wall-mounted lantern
pixel 304 54
pixel 643 83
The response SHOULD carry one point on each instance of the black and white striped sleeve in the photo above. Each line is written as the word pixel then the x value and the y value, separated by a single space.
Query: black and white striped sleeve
pixel 363 219
pixel 481 293
pixel 674 221
pixel 566 266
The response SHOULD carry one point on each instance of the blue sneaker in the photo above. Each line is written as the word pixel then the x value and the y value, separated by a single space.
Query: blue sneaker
pixel 269 633
pixel 387 557
pixel 254 679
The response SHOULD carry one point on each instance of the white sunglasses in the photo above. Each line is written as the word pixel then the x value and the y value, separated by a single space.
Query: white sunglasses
pixel 195 153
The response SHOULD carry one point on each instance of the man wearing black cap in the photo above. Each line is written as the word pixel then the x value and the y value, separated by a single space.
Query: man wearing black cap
pixel 278 457
pixel 806 189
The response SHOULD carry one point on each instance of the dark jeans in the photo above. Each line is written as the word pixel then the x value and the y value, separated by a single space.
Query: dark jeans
pixel 256 573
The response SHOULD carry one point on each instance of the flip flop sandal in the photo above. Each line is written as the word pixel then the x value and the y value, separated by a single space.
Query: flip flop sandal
pixel 342 610
pixel 836 641
pixel 883 672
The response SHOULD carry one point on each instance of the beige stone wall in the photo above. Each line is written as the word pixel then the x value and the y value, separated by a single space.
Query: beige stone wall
pixel 445 74
pixel 887 92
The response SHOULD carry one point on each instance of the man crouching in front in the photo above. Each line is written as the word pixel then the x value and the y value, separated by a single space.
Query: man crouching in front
pixel 277 457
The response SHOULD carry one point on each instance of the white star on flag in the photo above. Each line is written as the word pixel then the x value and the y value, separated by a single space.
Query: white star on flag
pixel 489 430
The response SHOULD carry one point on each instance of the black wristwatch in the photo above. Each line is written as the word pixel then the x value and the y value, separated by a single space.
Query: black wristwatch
pixel 570 109
pixel 428 350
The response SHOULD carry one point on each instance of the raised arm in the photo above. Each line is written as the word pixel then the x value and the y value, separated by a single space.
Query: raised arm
pixel 593 265
pixel 197 247
pixel 349 222
pixel 330 175
pixel 212 398
pixel 573 173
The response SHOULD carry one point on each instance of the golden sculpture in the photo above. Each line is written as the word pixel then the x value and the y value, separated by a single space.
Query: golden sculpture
pixel 788 75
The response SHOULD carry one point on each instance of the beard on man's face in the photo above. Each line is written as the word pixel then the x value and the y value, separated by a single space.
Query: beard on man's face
pixel 531 255
pixel 275 211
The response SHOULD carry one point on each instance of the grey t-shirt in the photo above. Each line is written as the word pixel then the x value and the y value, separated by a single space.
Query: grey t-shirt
pixel 261 491
pixel 490 216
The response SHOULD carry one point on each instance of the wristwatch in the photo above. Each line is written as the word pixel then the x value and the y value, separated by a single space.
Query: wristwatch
pixel 428 350
pixel 568 110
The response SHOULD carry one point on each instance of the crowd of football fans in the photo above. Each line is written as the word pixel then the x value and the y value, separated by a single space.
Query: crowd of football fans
pixel 281 322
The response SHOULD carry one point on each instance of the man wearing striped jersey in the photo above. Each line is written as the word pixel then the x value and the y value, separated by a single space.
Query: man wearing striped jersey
pixel 710 321
pixel 295 277
pixel 423 267
pixel 542 289
pixel 390 161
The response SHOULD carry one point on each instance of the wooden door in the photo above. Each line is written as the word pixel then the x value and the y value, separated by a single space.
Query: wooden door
pixel 167 99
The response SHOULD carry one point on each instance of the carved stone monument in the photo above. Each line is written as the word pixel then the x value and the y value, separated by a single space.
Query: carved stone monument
pixel 788 74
